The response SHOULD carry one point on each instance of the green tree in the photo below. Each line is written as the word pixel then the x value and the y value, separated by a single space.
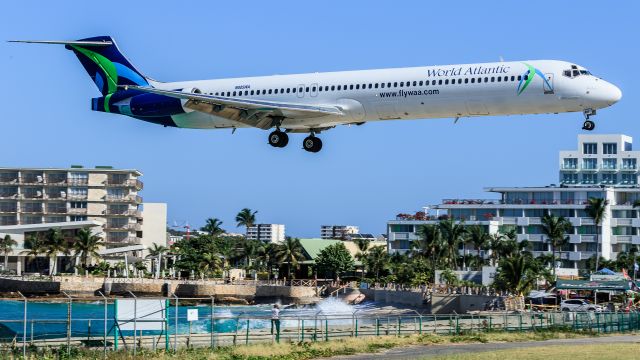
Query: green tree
pixel 86 246
pixel 452 233
pixel 6 246
pixel 556 229
pixel 363 246
pixel 34 246
pixel 289 252
pixel 246 218
pixel 377 260
pixel 478 237
pixel 429 245
pixel 596 209
pixel 54 244
pixel 248 251
pixel 212 226
pixel 157 252
pixel 517 274
pixel 334 260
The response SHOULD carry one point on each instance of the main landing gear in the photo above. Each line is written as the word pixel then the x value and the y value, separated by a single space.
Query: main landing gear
pixel 278 139
pixel 312 144
pixel 588 124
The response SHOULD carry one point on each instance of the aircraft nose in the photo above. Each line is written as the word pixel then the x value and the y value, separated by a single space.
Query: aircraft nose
pixel 614 94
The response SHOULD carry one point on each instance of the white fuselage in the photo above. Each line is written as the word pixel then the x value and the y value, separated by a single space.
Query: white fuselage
pixel 448 91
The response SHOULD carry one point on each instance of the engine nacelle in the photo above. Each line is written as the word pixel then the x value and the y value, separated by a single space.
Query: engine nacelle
pixel 155 105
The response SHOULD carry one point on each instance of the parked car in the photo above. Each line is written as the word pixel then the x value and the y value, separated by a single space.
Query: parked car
pixel 574 305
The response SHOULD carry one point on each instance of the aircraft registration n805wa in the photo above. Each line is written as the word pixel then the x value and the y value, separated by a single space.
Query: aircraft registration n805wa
pixel 315 102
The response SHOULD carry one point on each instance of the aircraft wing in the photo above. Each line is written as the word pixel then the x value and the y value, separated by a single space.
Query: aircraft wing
pixel 256 113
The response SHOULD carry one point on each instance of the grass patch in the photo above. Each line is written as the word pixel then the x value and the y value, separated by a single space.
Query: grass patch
pixel 312 350
pixel 594 351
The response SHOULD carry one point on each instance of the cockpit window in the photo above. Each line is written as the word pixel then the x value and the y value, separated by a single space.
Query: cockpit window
pixel 575 72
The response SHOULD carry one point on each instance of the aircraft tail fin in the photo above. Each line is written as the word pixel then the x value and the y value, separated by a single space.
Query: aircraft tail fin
pixel 104 62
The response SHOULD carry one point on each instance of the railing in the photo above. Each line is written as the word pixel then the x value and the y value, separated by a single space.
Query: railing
pixel 78 328
pixel 125 183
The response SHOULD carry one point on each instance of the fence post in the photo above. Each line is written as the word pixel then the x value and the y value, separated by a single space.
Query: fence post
pixel 135 323
pixel 326 329
pixel 399 325
pixel 104 332
pixel 24 327
pixel 175 326
pixel 246 338
pixel 68 323
pixel 377 326
pixel 213 321
pixel 302 331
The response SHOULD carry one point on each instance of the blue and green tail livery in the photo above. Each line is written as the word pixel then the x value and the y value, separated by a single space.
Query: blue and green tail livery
pixel 106 65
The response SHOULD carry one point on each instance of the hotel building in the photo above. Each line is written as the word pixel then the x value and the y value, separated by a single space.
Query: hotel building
pixel 603 166
pixel 268 233
pixel 107 200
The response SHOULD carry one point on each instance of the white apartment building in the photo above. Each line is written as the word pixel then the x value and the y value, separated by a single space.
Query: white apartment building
pixel 268 233
pixel 604 166
pixel 107 200
pixel 337 231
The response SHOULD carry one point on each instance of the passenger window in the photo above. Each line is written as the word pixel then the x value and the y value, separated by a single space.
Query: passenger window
pixel 234 93
pixel 293 90
pixel 506 78
pixel 473 80
pixel 375 85
pixel 479 80
pixel 446 82
pixel 519 77
pixel 320 88
pixel 288 90
pixel 216 94
pixel 351 87
pixel 395 84
pixel 275 91
pixel 401 83
pixel 440 82
pixel 357 86
pixel 300 89
pixel 389 85
pixel 281 91
pixel 420 83
pixel 513 78
pixel 459 81
pixel 251 92
pixel 526 77
pixel 486 79
pixel 333 87
pixel 313 89
pixel 499 79
pixel 306 89
pixel 326 88
pixel 370 86
pixel 426 83
pixel 382 85
pixel 493 79
pixel 339 87
pixel 466 80
pixel 415 83
pixel 270 91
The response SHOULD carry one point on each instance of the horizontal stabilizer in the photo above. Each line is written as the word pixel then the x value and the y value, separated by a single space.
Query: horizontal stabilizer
pixel 61 42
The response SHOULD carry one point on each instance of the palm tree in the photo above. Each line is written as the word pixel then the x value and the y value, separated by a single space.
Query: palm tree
pixel 556 229
pixel 249 250
pixel 517 274
pixel 377 260
pixel 479 238
pixel 429 245
pixel 35 247
pixel 290 252
pixel 212 226
pixel 596 209
pixel 86 247
pixel 6 245
pixel 363 246
pixel 453 233
pixel 209 261
pixel 246 218
pixel 157 251
pixel 494 244
pixel 54 244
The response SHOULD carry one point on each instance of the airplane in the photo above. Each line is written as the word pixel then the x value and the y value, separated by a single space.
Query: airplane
pixel 315 102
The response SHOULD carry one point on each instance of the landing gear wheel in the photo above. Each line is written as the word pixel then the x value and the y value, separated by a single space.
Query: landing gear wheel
pixel 312 144
pixel 588 125
pixel 278 139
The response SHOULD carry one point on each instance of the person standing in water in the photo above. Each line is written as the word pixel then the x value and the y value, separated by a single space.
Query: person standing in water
pixel 275 321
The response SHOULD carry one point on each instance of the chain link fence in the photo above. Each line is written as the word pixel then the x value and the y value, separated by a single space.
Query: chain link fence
pixel 96 323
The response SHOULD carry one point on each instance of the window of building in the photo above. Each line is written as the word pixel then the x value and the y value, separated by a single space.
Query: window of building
pixel 78 177
pixel 534 229
pixel 115 193
pixel 629 179
pixel 590 164
pixel 590 148
pixel 402 228
pixel 609 148
pixel 569 178
pixel 538 246
pixel 623 230
pixel 588 179
pixel 78 218
pixel 78 204
pixel 623 214
pixel 562 212
pixel 609 179
pixel 628 146
pixel 570 163
pixel 567 197
pixel 587 230
pixel 628 163
pixel 534 213
pixel 609 164
pixel 80 191
pixel 511 212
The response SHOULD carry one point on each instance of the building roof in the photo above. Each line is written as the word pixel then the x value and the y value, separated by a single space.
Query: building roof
pixel 74 169
pixel 313 247
pixel 18 229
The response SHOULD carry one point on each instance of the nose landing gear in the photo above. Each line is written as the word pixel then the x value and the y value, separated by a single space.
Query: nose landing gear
pixel 588 124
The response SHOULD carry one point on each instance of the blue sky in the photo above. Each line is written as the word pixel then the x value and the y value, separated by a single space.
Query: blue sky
pixel 364 175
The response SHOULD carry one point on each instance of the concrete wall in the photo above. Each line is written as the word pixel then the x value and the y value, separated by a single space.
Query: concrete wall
pixel 448 303
pixel 409 298
pixel 29 287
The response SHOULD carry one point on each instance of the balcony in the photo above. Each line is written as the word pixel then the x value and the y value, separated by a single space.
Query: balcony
pixel 57 210
pixel 127 240
pixel 635 240
pixel 575 256
pixel 77 211
pixel 128 198
pixel 76 182
pixel 9 196
pixel 621 222
pixel 608 168
pixel 587 238
pixel 8 210
pixel 574 239
pixel 77 196
pixel 124 183
pixel 9 180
